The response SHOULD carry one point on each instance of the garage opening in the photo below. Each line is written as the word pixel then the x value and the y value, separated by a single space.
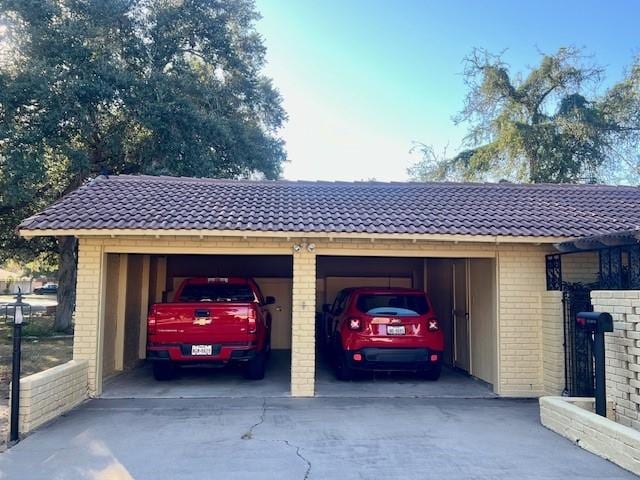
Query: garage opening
pixel 462 292
pixel 135 282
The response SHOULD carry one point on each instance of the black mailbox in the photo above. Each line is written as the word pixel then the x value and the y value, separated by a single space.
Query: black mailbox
pixel 596 322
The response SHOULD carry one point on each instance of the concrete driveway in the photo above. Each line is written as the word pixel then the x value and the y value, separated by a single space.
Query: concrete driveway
pixel 286 438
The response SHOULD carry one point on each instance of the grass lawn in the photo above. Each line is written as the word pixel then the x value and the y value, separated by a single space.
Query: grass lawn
pixel 40 350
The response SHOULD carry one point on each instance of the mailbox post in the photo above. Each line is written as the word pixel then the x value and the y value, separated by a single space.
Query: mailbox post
pixel 598 323
pixel 16 314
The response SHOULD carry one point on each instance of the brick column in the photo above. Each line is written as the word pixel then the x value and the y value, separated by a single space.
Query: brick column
pixel 303 343
pixel 622 352
pixel 87 334
pixel 552 342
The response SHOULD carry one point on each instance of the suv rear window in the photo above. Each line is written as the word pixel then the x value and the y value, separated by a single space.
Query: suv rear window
pixel 392 304
pixel 216 292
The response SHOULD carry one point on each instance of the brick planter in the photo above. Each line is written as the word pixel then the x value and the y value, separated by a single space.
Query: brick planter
pixel 573 418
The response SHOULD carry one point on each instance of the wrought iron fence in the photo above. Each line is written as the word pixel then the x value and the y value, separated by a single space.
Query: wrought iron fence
pixel 579 377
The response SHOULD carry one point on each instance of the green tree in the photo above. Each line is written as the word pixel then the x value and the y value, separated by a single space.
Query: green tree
pixel 126 86
pixel 543 127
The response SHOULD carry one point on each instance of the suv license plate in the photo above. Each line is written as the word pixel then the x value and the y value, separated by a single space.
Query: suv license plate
pixel 201 349
pixel 391 330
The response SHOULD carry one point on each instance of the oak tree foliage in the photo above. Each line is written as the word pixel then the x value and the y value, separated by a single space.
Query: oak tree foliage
pixel 550 125
pixel 157 87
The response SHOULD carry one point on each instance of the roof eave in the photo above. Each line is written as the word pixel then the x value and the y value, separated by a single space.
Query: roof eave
pixel 30 233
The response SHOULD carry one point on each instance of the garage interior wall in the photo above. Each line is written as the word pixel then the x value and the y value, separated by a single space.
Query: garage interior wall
pixel 335 273
pixel 110 314
pixel 126 306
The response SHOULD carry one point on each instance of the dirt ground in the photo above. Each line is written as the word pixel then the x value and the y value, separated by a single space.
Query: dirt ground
pixel 39 351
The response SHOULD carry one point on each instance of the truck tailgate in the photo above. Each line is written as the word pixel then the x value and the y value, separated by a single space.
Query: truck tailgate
pixel 206 322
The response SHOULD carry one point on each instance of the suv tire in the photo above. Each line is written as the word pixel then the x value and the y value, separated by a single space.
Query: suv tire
pixel 342 369
pixel 432 374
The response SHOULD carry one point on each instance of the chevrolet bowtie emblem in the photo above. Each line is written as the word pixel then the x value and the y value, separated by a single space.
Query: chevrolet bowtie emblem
pixel 202 321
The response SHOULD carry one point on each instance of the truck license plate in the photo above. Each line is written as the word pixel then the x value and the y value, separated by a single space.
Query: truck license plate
pixel 201 349
pixel 391 330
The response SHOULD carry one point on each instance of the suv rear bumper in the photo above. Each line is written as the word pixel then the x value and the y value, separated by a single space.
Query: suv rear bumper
pixel 393 359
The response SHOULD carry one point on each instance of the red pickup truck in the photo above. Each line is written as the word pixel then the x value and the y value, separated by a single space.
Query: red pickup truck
pixel 388 329
pixel 211 321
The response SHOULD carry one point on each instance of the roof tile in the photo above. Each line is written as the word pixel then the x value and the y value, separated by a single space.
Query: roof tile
pixel 145 202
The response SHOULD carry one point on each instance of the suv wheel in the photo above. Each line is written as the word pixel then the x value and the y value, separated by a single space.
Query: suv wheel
pixel 163 371
pixel 343 371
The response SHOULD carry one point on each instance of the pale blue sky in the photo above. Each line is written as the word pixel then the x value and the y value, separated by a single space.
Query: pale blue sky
pixel 362 80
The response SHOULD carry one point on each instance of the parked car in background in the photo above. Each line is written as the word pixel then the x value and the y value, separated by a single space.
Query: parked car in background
pixel 384 329
pixel 215 321
pixel 46 289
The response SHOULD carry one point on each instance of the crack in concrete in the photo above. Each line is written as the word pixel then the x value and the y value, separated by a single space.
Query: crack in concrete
pixel 248 435
pixel 300 456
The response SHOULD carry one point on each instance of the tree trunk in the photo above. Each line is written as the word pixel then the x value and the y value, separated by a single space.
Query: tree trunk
pixel 67 273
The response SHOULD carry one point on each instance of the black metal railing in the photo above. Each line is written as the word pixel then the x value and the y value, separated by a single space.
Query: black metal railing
pixel 579 375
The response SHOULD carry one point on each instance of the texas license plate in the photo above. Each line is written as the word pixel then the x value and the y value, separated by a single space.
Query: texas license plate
pixel 391 330
pixel 201 349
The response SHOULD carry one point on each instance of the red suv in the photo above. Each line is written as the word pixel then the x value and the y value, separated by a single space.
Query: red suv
pixel 384 329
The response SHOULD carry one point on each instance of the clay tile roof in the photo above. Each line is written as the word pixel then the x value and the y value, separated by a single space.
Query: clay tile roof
pixel 145 202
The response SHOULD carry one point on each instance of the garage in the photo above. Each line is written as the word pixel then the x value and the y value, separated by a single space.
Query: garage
pixel 134 282
pixel 478 250
pixel 462 292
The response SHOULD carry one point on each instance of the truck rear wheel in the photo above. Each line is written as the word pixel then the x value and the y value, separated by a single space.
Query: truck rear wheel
pixel 256 367
pixel 163 371
pixel 433 373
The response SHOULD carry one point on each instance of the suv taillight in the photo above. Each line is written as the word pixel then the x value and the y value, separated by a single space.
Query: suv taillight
pixel 151 321
pixel 354 324
pixel 251 317
pixel 432 325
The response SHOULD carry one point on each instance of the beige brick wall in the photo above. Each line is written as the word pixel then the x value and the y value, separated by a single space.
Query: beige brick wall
pixel 303 358
pixel 50 393
pixel 552 340
pixel 87 334
pixel 520 284
pixel 622 352
pixel 569 417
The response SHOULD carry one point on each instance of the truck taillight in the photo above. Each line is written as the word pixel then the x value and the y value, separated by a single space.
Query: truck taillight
pixel 151 321
pixel 252 319
pixel 432 325
pixel 355 324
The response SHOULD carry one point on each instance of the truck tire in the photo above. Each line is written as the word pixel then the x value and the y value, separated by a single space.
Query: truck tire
pixel 163 371
pixel 256 367
pixel 432 374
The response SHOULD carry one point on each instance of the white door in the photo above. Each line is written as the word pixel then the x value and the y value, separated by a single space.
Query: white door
pixel 482 311
pixel 460 315
pixel 281 289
